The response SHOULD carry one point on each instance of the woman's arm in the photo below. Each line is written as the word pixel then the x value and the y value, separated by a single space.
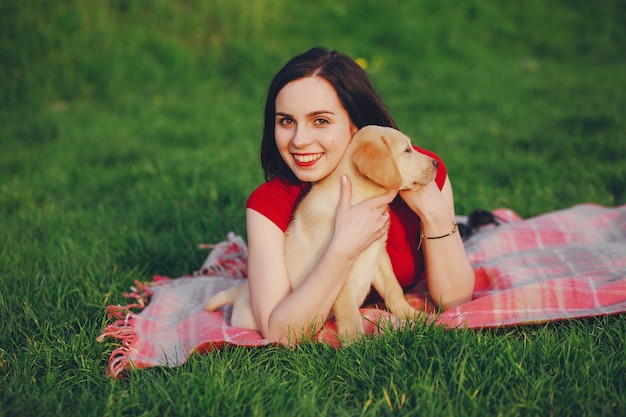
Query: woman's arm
pixel 449 274
pixel 283 314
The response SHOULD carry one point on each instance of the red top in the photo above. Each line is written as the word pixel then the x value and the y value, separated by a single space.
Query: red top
pixel 276 199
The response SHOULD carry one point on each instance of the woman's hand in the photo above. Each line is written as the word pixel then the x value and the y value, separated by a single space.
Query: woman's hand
pixel 358 226
pixel 428 202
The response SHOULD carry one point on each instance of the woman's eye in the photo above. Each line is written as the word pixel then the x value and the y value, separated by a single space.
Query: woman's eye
pixel 285 121
pixel 320 122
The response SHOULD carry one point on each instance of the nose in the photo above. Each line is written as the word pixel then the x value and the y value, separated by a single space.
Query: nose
pixel 300 138
pixel 435 163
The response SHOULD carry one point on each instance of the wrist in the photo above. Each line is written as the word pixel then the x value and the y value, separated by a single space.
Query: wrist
pixel 341 252
pixel 424 237
pixel 437 224
pixel 455 228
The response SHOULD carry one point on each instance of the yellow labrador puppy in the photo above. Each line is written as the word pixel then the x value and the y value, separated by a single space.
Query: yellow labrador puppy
pixel 378 159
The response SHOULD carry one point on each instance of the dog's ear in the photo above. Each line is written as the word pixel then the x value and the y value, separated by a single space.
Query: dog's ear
pixel 373 159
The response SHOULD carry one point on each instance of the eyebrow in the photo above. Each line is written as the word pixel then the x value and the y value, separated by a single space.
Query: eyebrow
pixel 308 115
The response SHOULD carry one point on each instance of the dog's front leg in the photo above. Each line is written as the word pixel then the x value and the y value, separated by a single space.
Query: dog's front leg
pixel 347 315
pixel 239 297
pixel 389 288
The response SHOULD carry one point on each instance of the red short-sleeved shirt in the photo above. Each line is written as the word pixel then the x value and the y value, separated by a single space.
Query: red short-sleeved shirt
pixel 276 199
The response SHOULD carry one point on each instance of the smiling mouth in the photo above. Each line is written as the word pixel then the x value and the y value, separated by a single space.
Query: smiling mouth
pixel 307 159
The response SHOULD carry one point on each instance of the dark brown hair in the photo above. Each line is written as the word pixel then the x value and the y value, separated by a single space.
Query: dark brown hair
pixel 353 87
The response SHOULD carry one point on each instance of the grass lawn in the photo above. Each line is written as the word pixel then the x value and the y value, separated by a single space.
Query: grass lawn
pixel 130 132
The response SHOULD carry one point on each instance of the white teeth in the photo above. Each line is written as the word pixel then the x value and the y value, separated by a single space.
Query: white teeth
pixel 307 158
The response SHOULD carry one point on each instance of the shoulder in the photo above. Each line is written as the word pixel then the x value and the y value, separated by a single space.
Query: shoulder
pixel 442 173
pixel 276 187
pixel 276 199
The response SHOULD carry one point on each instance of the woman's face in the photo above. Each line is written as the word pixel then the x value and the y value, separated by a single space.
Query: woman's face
pixel 312 128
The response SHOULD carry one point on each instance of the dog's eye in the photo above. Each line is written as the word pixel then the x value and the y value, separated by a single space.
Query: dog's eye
pixel 408 149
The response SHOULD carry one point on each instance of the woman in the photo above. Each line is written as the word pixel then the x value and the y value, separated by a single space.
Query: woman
pixel 315 103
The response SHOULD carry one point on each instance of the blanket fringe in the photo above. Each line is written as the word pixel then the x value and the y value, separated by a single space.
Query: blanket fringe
pixel 140 292
pixel 227 259
pixel 118 362
pixel 122 328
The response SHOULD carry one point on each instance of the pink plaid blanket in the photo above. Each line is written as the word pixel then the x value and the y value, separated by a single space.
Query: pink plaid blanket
pixel 560 265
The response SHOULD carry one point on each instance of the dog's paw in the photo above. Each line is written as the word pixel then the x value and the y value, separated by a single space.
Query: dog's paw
pixel 350 331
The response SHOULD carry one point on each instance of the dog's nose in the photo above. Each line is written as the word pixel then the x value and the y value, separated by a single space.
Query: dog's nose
pixel 435 163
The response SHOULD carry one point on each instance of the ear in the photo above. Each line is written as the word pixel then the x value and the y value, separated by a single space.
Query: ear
pixel 374 160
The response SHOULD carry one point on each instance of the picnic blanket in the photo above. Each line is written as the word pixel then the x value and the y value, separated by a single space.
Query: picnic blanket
pixel 560 265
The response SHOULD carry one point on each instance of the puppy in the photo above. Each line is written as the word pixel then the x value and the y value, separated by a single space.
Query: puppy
pixel 378 159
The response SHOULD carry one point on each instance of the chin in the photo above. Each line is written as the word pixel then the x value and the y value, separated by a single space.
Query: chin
pixel 308 177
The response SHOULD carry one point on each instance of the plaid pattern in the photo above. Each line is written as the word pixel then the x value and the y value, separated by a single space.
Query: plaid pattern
pixel 560 265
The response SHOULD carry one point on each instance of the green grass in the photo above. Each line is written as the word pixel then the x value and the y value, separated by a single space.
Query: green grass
pixel 129 133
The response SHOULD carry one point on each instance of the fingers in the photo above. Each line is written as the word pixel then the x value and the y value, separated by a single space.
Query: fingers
pixel 379 202
pixel 346 193
pixel 357 226
pixel 385 220
pixel 425 201
pixel 383 200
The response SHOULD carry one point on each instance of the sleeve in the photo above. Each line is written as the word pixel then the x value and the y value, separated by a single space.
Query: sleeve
pixel 276 199
pixel 442 173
